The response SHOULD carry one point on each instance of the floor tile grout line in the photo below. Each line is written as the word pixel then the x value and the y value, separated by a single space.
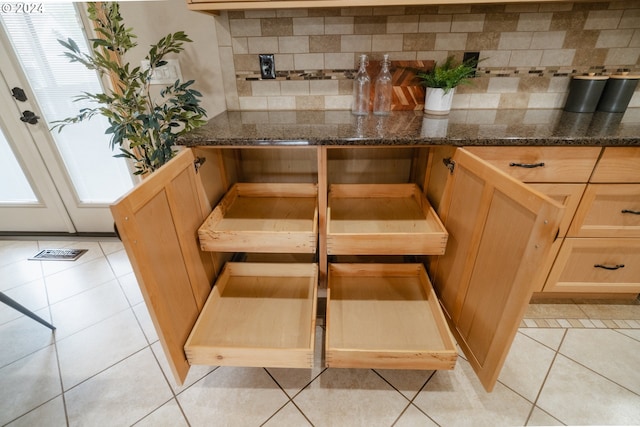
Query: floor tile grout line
pixel 401 414
pixel 292 397
pixel 411 401
pixel 83 291
pixel 395 388
pixel 170 385
pixel 117 313
pixel 105 369
pixel 305 386
pixel 64 399
pixel 176 395
pixel 540 342
pixel 283 391
pixel 301 412
pixel 151 412
pixel 282 407
pixel 33 309
pixel 534 407
pixel 544 381
pixel 599 374
pixel 586 316
pixel 619 331
pixel 36 408
pixel 61 394
pixel 24 317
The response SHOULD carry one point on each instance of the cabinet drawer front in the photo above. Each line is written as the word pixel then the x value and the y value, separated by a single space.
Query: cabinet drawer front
pixel 608 210
pixel 541 164
pixel 596 265
pixel 618 164
pixel 385 316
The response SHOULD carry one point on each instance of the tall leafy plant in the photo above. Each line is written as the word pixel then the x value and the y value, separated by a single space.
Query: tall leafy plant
pixel 143 127
pixel 449 74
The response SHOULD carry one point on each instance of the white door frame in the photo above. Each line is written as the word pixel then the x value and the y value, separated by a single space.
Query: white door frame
pixel 49 213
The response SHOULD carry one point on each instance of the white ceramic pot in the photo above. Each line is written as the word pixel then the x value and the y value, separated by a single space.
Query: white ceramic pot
pixel 437 102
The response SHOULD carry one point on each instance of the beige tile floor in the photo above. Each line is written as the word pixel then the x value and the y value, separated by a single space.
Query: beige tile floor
pixel 571 364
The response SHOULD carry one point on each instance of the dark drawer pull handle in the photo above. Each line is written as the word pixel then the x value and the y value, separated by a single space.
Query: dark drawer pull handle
pixel 630 211
pixel 610 267
pixel 527 165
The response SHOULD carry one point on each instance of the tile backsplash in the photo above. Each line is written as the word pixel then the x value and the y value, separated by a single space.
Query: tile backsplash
pixel 530 51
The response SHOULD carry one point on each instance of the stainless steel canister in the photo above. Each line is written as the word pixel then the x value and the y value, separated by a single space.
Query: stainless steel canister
pixel 584 93
pixel 617 93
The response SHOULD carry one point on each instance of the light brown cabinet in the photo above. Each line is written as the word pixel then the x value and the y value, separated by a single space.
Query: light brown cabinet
pixel 491 236
pixel 602 250
pixel 559 172
pixel 599 238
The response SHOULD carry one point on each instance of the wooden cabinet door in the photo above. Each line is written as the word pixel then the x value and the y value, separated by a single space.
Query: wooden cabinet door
pixel 158 222
pixel 500 231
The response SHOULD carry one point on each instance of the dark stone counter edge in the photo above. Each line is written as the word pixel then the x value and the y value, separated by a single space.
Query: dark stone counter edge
pixel 389 142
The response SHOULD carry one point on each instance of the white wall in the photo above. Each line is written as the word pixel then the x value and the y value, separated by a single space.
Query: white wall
pixel 152 20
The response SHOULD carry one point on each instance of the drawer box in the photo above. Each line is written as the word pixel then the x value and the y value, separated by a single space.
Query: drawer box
pixel 618 164
pixel 258 315
pixel 263 218
pixel 382 219
pixel 541 164
pixel 385 316
pixel 596 265
pixel 608 210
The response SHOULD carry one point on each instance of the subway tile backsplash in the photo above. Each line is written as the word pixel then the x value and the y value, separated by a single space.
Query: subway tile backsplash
pixel 530 51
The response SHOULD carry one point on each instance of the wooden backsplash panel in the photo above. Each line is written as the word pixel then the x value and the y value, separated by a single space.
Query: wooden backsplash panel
pixel 408 94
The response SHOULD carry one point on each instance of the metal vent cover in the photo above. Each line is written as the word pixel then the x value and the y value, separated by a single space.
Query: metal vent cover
pixel 58 254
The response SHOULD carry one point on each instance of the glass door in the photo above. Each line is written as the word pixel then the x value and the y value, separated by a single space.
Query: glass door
pixel 78 159
pixel 28 199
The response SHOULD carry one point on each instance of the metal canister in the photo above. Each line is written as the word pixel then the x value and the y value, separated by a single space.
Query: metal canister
pixel 618 92
pixel 584 93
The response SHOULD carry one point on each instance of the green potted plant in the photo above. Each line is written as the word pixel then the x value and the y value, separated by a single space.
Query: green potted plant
pixel 144 127
pixel 441 82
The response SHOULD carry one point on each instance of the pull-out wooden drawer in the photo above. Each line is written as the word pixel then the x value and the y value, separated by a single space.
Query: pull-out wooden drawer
pixel 382 219
pixel 596 265
pixel 542 164
pixel 608 210
pixel 263 218
pixel 618 164
pixel 258 315
pixel 385 316
pixel 379 315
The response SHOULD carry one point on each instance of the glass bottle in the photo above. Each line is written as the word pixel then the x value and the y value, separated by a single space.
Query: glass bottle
pixel 361 89
pixel 383 90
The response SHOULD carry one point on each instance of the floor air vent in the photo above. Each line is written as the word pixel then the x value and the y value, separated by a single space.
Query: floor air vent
pixel 59 254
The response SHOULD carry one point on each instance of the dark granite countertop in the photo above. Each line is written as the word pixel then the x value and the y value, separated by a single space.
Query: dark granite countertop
pixel 459 128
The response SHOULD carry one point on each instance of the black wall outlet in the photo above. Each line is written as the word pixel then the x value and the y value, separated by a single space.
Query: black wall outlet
pixel 468 56
pixel 267 66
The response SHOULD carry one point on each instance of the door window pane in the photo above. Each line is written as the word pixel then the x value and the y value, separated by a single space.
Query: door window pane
pixel 14 186
pixel 97 176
